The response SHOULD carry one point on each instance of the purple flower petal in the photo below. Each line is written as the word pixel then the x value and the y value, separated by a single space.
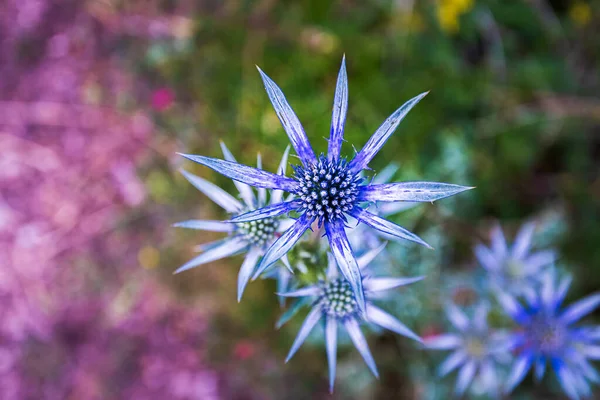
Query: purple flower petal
pixel 338 117
pixel 284 243
pixel 369 256
pixel 540 259
pixel 588 371
pixel 566 379
pixel 480 317
pixel 272 210
pixel 489 378
pixel 380 284
pixel 465 377
pixel 443 342
pixel 209 245
pixel 205 225
pixel 452 362
pixel 457 317
pixel 498 242
pixel 518 372
pixel 311 320
pixel 410 191
pixel 286 262
pixel 385 320
pixel 540 368
pixel 243 173
pixel 289 120
pixel 213 192
pixel 395 207
pixel 386 226
pixel 580 309
pixel 486 258
pixel 283 282
pixel 331 347
pixel 386 174
pixel 546 292
pixel 225 249
pixel 245 190
pixel 262 192
pixel 510 306
pixel 246 270
pixel 361 344
pixel 561 291
pixel 340 247
pixel 523 241
pixel 381 135
pixel 332 268
pixel 302 292
pixel 277 195
pixel 292 310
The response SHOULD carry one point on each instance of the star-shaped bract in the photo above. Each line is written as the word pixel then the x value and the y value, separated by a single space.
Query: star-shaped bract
pixel 515 269
pixel 477 349
pixel 329 188
pixel 548 334
pixel 252 237
pixel 335 303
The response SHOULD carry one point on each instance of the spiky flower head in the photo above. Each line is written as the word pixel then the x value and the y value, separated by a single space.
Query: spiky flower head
pixel 335 303
pixel 515 269
pixel 252 237
pixel 547 334
pixel 328 188
pixel 477 350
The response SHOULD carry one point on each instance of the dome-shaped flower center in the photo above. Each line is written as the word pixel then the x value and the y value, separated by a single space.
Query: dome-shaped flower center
pixel 475 347
pixel 338 299
pixel 257 233
pixel 514 268
pixel 547 335
pixel 327 189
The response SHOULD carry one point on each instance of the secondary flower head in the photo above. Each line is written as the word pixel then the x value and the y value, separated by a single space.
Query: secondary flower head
pixel 336 304
pixel 548 334
pixel 252 237
pixel 513 270
pixel 329 188
pixel 477 349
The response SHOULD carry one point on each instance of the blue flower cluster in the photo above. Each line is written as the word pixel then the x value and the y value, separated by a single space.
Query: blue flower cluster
pixel 335 198
pixel 525 290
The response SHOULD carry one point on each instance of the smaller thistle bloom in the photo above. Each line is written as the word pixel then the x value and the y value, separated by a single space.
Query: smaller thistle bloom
pixel 513 270
pixel 477 350
pixel 335 303
pixel 547 334
pixel 328 188
pixel 252 237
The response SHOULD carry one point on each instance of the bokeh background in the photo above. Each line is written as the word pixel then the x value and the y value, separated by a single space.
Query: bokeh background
pixel 97 96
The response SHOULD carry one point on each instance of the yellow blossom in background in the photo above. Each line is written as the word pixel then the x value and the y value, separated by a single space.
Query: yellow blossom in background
pixel 449 12
pixel 148 257
pixel 580 13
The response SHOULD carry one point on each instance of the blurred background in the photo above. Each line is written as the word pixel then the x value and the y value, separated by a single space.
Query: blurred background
pixel 96 96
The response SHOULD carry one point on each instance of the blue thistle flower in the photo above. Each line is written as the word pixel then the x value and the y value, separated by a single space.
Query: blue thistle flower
pixel 252 237
pixel 335 303
pixel 547 334
pixel 515 270
pixel 477 350
pixel 329 188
